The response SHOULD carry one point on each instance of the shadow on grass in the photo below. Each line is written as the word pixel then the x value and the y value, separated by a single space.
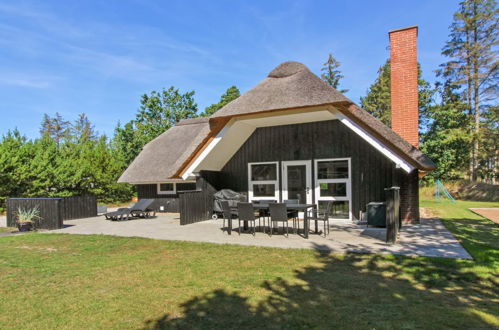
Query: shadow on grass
pixel 480 237
pixel 352 291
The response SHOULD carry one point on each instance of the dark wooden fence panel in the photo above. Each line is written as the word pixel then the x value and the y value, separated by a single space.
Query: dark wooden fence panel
pixel 78 207
pixel 196 206
pixel 50 211
pixel 193 207
pixel 53 210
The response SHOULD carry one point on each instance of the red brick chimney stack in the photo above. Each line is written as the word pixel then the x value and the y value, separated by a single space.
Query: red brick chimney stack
pixel 404 83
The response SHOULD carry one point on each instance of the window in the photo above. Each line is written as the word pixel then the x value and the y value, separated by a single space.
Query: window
pixel 166 188
pixel 338 210
pixel 327 169
pixel 263 182
pixel 332 184
pixel 332 189
pixel 171 188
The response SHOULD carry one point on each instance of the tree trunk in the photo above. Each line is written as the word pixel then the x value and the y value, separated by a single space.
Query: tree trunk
pixel 476 96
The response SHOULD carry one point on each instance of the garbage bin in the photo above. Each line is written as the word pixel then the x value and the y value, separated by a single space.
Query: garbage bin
pixel 376 214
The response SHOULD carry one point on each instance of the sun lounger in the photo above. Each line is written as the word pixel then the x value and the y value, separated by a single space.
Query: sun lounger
pixel 140 209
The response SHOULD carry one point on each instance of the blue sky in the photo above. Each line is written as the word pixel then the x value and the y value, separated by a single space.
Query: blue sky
pixel 99 57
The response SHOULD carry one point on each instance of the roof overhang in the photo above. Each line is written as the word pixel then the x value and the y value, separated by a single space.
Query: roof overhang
pixel 238 129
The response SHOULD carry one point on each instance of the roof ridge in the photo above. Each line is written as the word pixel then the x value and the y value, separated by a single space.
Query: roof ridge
pixel 192 121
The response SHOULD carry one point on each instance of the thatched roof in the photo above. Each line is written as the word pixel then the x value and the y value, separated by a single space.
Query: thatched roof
pixel 162 157
pixel 290 85
pixel 386 135
pixel 293 85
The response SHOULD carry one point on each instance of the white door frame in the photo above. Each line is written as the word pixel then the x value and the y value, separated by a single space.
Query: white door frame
pixel 308 179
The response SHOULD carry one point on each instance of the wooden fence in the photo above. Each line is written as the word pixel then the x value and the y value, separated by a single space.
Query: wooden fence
pixel 78 207
pixel 195 206
pixel 53 211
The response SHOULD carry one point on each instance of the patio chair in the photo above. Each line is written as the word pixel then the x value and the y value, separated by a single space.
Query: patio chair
pixel 315 215
pixel 228 214
pixel 278 213
pixel 293 214
pixel 246 212
pixel 264 213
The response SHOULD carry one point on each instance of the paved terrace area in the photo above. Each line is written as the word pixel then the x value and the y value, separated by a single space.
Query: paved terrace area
pixel 429 238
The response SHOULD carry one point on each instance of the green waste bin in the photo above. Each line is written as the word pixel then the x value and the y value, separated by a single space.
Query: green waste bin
pixel 376 214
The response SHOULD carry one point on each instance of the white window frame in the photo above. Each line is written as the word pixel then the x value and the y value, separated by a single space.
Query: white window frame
pixel 275 182
pixel 348 182
pixel 166 192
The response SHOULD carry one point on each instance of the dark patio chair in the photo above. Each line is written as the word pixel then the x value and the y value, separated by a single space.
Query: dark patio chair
pixel 246 212
pixel 265 213
pixel 228 214
pixel 293 214
pixel 278 213
pixel 315 215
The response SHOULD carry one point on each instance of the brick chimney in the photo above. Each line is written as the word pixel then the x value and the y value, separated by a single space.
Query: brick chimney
pixel 404 83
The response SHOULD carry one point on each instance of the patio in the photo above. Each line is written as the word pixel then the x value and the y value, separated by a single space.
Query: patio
pixel 429 238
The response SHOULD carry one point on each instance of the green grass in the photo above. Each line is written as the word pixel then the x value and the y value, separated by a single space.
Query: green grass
pixel 72 281
pixel 6 229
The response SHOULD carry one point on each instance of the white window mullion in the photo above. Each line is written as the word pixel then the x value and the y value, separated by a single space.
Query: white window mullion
pixel 347 181
pixel 252 183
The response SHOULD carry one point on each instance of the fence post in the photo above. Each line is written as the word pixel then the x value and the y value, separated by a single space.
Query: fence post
pixel 392 214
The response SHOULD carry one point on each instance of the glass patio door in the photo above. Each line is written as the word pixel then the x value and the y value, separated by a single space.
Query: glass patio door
pixel 297 178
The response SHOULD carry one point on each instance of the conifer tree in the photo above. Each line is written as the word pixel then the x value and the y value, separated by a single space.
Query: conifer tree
pixel 230 94
pixel 473 64
pixel 331 74
pixel 377 99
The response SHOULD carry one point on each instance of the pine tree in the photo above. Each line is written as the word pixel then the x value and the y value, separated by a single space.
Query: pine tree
pixel 377 99
pixel 446 139
pixel 473 64
pixel 331 75
pixel 489 145
pixel 230 94
pixel 55 127
pixel 82 128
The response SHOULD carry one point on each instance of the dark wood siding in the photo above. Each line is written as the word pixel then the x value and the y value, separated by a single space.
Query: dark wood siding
pixel 169 202
pixel 371 170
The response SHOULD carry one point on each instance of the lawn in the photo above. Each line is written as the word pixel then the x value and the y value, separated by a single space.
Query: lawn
pixel 71 281
pixel 6 229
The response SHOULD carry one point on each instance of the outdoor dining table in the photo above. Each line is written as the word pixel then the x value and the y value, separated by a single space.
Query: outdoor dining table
pixel 290 207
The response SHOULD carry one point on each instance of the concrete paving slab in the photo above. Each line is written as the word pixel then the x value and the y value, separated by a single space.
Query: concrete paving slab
pixel 430 238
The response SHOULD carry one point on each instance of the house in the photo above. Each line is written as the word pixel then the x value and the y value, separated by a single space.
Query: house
pixel 294 137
